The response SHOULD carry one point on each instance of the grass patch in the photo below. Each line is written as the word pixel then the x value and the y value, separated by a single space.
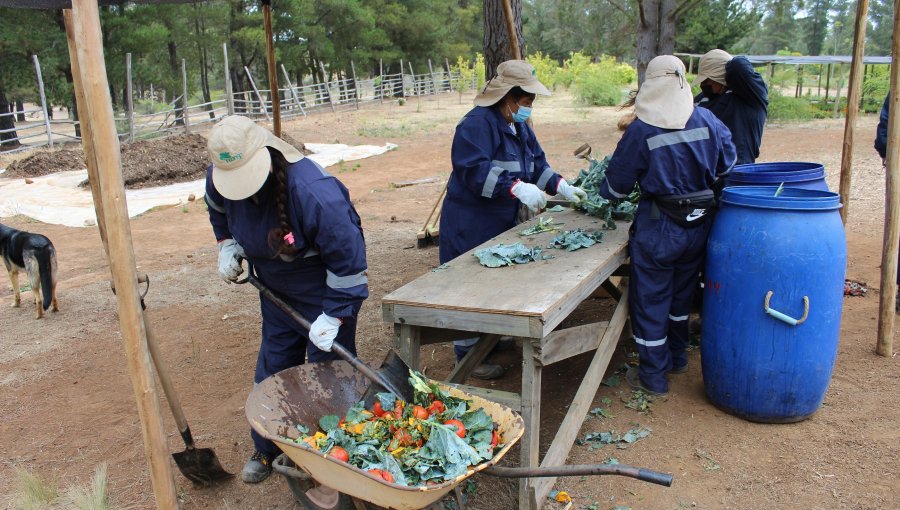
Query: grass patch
pixel 33 491
pixel 95 496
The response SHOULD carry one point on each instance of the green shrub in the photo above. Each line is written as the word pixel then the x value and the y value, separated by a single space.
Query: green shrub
pixel 790 108
pixel 596 87
pixel 546 68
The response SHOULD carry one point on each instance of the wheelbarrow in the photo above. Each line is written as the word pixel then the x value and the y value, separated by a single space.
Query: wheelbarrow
pixel 303 394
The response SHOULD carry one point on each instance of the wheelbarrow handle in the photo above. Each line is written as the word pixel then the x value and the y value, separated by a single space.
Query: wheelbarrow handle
pixel 642 474
pixel 337 348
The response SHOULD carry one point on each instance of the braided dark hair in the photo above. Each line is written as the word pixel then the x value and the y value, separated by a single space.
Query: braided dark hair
pixel 276 237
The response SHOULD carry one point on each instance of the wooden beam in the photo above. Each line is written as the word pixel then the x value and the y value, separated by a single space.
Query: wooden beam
pixel 565 343
pixel 473 358
pixel 886 315
pixel 856 67
pixel 504 398
pixel 129 97
pixel 89 46
pixel 511 31
pixel 270 66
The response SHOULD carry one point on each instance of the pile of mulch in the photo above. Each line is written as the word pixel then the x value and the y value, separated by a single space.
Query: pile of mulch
pixel 145 164
pixel 855 288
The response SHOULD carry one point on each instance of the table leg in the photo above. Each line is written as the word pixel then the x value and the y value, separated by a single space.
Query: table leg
pixel 473 358
pixel 531 413
pixel 408 339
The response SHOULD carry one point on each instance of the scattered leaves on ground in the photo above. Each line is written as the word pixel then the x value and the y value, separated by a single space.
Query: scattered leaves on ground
pixel 710 464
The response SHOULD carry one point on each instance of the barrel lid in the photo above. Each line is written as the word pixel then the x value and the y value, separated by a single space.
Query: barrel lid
pixel 779 171
pixel 795 199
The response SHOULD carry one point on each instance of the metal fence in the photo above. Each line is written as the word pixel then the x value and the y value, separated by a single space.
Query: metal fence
pixel 144 121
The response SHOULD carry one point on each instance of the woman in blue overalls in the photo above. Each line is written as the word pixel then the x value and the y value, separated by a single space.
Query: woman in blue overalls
pixel 498 166
pixel 295 224
pixel 675 152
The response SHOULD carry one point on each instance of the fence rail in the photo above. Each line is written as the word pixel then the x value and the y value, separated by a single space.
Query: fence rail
pixel 143 121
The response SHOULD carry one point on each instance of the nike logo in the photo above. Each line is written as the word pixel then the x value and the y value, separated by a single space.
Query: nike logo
pixel 696 214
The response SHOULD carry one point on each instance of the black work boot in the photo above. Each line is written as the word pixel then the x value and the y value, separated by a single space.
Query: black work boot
pixel 257 469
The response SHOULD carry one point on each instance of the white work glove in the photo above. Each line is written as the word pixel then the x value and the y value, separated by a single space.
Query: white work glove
pixel 323 332
pixel 573 194
pixel 530 195
pixel 230 255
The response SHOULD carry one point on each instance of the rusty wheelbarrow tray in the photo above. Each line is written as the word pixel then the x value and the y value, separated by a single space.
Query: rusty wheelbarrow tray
pixel 303 394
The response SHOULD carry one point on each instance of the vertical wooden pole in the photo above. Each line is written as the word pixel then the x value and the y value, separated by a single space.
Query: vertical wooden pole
pixel 837 95
pixel 828 82
pixel 40 80
pixel 184 97
pixel 129 97
pixel 433 81
pixel 511 31
pixel 229 93
pixel 402 88
pixel 819 87
pixel 290 85
pixel 690 64
pixel 355 85
pixel 327 88
pixel 886 315
pixel 381 74
pixel 856 66
pixel 530 453
pixel 262 101
pixel 449 78
pixel 270 65
pixel 89 46
pixel 415 82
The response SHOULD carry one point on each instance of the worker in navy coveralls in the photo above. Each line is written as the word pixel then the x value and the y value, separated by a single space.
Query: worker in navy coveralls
pixel 498 166
pixel 737 94
pixel 295 224
pixel 675 152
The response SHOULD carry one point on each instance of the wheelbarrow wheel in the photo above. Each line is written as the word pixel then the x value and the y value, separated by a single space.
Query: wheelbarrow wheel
pixel 299 482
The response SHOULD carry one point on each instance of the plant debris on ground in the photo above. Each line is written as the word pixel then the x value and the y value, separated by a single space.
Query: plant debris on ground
pixel 595 205
pixel 596 440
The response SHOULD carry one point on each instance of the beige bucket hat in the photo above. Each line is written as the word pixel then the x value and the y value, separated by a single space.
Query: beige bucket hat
pixel 664 99
pixel 712 66
pixel 512 73
pixel 241 163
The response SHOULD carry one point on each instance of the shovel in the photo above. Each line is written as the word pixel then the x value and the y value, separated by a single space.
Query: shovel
pixel 394 384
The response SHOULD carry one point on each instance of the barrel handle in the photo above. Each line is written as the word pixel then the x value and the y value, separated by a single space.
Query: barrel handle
pixel 785 318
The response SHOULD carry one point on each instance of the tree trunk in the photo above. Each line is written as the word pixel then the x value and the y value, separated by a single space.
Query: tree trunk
pixel 20 107
pixel 175 67
pixel 200 31
pixel 657 22
pixel 496 37
pixel 7 140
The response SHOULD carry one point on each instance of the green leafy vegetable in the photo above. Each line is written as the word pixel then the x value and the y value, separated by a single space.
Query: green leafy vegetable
pixel 329 422
pixel 573 240
pixel 506 255
pixel 544 224
pixel 595 205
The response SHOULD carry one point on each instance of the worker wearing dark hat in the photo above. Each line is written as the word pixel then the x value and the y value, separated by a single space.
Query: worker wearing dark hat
pixel 731 89
pixel 498 166
pixel 295 224
pixel 674 152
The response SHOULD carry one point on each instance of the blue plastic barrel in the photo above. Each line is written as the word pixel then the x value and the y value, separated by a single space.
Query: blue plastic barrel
pixel 773 292
pixel 792 174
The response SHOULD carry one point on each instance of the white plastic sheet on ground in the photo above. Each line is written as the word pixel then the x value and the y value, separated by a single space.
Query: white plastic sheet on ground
pixel 57 198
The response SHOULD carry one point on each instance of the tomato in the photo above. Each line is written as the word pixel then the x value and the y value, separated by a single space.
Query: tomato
pixel 377 410
pixel 495 439
pixel 398 409
pixel 458 425
pixel 436 407
pixel 420 413
pixel 380 473
pixel 340 454
pixel 403 438
pixel 341 423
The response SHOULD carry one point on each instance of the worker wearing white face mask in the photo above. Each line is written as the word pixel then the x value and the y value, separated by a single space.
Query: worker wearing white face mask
pixel 498 164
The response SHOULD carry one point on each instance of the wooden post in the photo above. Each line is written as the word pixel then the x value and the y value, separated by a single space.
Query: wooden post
pixel 262 102
pixel 381 74
pixel 828 82
pixel 433 82
pixel 129 97
pixel 290 85
pixel 511 31
pixel 355 85
pixel 856 66
pixel 449 79
pixel 89 47
pixel 327 88
pixel 886 315
pixel 690 64
pixel 270 66
pixel 229 93
pixel 184 98
pixel 819 87
pixel 40 80
pixel 770 72
pixel 415 83
pixel 837 95
pixel 402 88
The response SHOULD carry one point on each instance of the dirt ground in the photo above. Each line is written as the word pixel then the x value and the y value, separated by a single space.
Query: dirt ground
pixel 68 403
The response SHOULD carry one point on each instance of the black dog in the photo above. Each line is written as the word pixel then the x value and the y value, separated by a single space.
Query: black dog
pixel 34 254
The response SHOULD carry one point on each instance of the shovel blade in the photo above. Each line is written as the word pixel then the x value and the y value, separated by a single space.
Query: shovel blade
pixel 396 371
pixel 201 466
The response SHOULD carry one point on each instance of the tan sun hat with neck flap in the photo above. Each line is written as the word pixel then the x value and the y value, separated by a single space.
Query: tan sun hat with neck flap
pixel 512 73
pixel 712 66
pixel 241 162
pixel 664 99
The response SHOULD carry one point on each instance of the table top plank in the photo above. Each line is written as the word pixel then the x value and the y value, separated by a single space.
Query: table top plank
pixel 541 289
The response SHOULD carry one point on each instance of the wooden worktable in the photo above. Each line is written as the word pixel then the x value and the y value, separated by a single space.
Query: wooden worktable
pixel 527 301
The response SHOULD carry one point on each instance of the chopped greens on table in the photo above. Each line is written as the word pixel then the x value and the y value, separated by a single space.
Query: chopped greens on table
pixel 501 254
pixel 433 439
pixel 544 224
pixel 572 240
pixel 595 205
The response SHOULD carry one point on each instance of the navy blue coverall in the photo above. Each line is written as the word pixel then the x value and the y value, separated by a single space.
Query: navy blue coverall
pixel 666 257
pixel 488 157
pixel 742 108
pixel 328 273
pixel 881 141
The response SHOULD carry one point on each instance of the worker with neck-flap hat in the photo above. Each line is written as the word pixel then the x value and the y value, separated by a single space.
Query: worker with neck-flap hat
pixel 294 222
pixel 675 152
pixel 498 166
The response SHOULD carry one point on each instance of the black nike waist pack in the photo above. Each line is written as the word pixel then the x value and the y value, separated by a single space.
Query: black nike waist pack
pixel 689 211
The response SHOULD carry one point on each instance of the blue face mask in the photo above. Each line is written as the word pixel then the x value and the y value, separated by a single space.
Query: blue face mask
pixel 522 115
